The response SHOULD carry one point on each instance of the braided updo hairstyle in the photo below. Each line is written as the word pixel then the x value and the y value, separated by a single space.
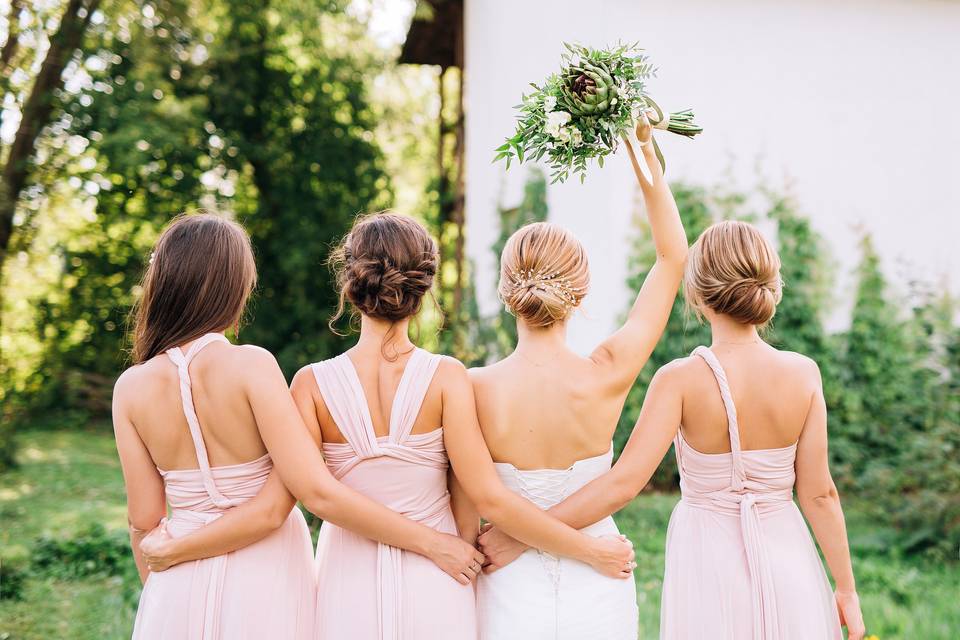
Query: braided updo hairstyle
pixel 384 267
pixel 733 270
pixel 544 274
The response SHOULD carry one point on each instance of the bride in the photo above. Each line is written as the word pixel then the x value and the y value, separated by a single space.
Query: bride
pixel 548 415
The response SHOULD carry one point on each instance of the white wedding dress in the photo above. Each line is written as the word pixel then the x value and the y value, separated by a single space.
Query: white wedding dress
pixel 541 597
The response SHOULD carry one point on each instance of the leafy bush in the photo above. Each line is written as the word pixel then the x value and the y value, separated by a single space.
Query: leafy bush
pixel 12 577
pixel 92 552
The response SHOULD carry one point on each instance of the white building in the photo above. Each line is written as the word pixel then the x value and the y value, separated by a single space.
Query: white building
pixel 853 103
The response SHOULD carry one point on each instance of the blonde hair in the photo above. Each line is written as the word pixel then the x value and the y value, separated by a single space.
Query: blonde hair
pixel 543 274
pixel 733 270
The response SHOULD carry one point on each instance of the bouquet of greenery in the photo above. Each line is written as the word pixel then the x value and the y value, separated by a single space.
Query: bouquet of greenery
pixel 583 111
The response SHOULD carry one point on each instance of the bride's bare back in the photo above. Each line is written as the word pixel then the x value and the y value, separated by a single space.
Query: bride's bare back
pixel 545 406
pixel 547 416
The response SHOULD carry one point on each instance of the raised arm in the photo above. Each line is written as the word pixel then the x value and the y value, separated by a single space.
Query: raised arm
pixel 655 429
pixel 820 503
pixel 146 501
pixel 624 353
pixel 474 469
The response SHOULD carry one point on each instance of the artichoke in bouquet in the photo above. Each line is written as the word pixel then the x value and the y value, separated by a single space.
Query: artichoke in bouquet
pixel 582 113
pixel 588 90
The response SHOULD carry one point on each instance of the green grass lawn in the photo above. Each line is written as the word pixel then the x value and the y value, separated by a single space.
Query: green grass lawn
pixel 68 480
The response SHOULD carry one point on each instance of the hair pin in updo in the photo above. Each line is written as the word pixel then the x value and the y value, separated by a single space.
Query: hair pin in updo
pixel 552 282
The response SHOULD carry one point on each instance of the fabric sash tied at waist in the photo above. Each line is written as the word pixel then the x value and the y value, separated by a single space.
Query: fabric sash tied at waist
pixel 749 507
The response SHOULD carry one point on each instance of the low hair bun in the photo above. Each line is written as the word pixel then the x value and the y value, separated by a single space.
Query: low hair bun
pixel 544 274
pixel 733 270
pixel 385 266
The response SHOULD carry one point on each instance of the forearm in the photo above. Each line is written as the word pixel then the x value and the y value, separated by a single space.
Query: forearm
pixel 223 535
pixel 238 527
pixel 525 522
pixel 464 512
pixel 352 510
pixel 590 505
pixel 136 536
pixel 666 228
pixel 825 516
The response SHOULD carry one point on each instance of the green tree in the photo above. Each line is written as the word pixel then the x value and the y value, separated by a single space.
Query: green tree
pixel 36 98
pixel 798 324
pixel 147 152
pixel 40 43
pixel 875 373
pixel 238 115
pixel 917 488
pixel 295 107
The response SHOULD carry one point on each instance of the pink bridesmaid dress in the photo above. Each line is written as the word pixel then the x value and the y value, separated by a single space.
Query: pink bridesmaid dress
pixel 740 563
pixel 265 590
pixel 368 590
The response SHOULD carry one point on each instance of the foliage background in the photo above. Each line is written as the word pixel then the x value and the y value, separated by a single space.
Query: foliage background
pixel 291 118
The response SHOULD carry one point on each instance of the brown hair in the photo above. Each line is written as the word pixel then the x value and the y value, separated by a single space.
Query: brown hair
pixel 384 266
pixel 733 270
pixel 200 275
pixel 544 274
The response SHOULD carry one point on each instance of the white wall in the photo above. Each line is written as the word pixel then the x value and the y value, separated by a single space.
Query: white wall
pixel 855 103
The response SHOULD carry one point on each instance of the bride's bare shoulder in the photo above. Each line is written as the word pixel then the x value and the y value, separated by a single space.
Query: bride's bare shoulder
pixel 485 377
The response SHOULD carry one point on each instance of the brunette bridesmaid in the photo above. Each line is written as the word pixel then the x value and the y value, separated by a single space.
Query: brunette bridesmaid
pixel 199 425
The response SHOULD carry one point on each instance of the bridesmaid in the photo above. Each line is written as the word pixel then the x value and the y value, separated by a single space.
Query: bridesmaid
pixel 198 424
pixel 749 425
pixel 391 419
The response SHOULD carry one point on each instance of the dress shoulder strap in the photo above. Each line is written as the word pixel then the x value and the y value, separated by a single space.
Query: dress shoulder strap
pixel 416 379
pixel 343 394
pixel 733 427
pixel 182 362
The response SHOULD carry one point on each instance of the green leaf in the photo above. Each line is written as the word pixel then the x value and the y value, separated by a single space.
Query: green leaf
pixel 656 149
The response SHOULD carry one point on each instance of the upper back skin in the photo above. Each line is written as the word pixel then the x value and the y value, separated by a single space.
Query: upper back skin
pixel 772 391
pixel 217 373
pixel 547 416
pixel 380 379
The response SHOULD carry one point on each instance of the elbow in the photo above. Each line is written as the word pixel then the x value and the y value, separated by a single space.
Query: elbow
pixel 823 499
pixel 489 505
pixel 275 516
pixel 143 522
pixel 675 258
pixel 320 503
